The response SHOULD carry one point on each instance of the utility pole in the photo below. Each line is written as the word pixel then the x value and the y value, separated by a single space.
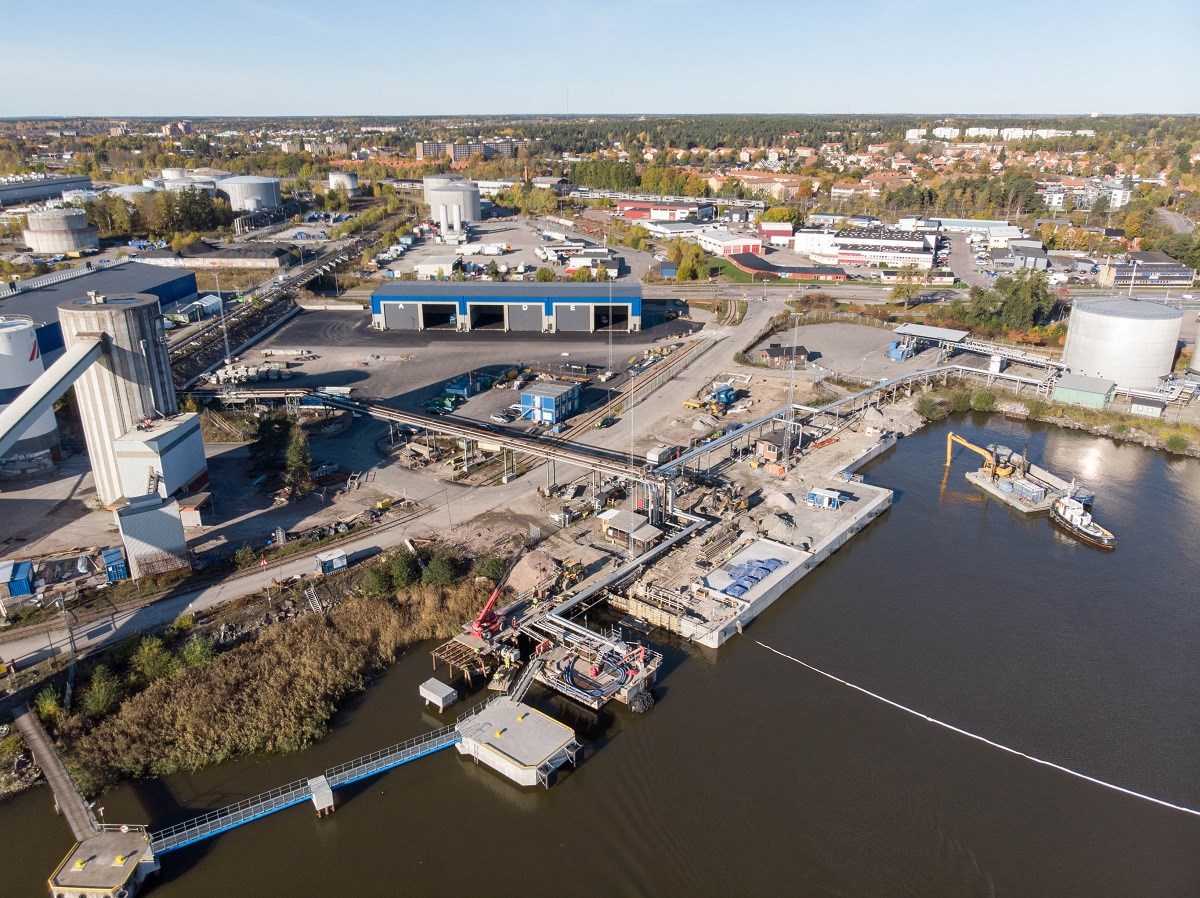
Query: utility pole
pixel 224 329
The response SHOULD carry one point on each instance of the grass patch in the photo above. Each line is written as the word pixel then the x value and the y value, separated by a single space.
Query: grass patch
pixel 726 269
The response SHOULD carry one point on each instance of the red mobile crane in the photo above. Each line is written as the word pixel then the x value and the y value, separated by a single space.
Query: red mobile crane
pixel 487 623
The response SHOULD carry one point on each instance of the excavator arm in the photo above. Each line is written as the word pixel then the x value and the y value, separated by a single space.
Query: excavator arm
pixel 988 456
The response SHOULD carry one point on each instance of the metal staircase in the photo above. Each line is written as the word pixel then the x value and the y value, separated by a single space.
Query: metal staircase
pixel 313 602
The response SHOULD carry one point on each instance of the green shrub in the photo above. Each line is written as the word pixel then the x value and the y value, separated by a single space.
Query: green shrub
pixel 1120 429
pixel 404 571
pixel 104 692
pixel 245 557
pixel 960 401
pixel 47 705
pixel 375 581
pixel 1038 409
pixel 983 401
pixel 197 651
pixel 152 661
pixel 439 572
pixel 930 409
pixel 1177 443
pixel 492 567
pixel 181 625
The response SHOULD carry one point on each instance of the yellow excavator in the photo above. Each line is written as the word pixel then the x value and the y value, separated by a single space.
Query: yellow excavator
pixel 990 465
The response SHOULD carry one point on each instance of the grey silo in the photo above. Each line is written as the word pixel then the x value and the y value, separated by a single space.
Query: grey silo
pixel 130 382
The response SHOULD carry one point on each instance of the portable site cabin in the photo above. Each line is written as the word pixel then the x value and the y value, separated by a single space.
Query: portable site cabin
pixel 823 498
pixel 328 562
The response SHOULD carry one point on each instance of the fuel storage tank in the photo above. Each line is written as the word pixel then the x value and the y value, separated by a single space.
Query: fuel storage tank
pixel 1130 341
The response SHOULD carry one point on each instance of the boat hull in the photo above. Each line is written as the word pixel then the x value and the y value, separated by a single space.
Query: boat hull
pixel 1108 542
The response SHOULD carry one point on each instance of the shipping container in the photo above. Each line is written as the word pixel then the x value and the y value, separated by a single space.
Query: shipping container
pixel 114 565
pixel 20 581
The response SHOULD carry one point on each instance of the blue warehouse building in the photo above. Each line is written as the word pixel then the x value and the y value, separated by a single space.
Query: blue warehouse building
pixel 519 306
pixel 38 297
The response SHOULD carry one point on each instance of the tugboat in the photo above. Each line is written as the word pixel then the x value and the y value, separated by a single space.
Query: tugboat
pixel 1069 514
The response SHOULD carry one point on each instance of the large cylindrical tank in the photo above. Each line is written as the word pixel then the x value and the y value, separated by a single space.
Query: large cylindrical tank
pixel 189 183
pixel 173 174
pixel 344 180
pixel 434 182
pixel 250 192
pixel 130 191
pixel 464 194
pixel 1132 342
pixel 130 382
pixel 153 183
pixel 21 365
pixel 60 231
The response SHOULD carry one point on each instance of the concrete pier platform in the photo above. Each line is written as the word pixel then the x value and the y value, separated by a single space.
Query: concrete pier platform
pixel 517 741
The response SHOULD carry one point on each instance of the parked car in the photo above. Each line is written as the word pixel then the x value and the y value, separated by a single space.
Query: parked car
pixel 606 422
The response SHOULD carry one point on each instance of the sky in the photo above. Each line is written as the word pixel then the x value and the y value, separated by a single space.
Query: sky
pixel 185 58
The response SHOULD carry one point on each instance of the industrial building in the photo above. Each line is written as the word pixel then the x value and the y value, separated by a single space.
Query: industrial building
pixel 165 456
pixel 344 180
pixel 453 202
pixel 1089 392
pixel 202 254
pixel 1147 269
pixel 550 402
pixel 17 189
pixel 250 193
pixel 38 299
pixel 152 532
pixel 720 242
pixel 880 246
pixel 759 267
pixel 523 306
pixel 663 211
pixel 60 231
pixel 1127 341
pixel 129 385
pixel 21 365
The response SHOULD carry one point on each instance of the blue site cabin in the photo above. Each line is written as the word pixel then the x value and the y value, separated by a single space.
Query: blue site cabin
pixel 508 306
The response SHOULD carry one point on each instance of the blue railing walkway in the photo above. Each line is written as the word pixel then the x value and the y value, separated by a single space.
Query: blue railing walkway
pixel 215 822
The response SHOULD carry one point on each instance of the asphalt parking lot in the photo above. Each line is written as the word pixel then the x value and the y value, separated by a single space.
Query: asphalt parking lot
pixel 405 368
pixel 523 236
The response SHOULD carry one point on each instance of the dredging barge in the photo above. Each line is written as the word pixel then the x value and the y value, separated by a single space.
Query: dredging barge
pixel 1010 477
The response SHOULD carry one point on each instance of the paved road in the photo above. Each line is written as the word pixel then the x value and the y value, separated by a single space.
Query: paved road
pixel 962 262
pixel 1180 224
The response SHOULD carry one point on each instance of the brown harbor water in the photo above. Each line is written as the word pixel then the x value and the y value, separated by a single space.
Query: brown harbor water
pixel 753 776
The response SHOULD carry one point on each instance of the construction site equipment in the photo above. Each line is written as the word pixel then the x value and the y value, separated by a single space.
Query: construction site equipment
pixel 991 466
pixel 487 623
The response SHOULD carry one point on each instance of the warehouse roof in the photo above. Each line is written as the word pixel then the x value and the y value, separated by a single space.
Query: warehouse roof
pixel 41 302
pixel 1082 384
pixel 511 291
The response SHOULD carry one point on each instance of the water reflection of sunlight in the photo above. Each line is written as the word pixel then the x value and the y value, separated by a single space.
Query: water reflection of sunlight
pixel 1088 465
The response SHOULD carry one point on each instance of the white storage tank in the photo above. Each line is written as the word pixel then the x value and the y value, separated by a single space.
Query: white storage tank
pixel 344 180
pixel 460 199
pixel 250 193
pixel 1129 341
pixel 130 191
pixel 21 365
pixel 173 174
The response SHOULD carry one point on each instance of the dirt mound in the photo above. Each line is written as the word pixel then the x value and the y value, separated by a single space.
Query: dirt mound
pixel 534 569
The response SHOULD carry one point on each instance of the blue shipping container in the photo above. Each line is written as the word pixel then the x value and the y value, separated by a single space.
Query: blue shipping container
pixel 114 565
pixel 21 581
